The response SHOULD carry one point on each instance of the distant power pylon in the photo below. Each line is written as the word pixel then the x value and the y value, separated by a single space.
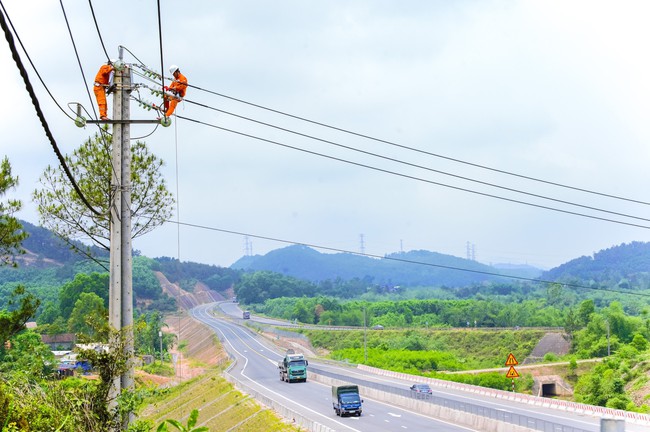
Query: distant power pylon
pixel 471 251
pixel 362 246
pixel 248 246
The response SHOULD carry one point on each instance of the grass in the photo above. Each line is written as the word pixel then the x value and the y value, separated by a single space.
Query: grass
pixel 463 349
pixel 221 407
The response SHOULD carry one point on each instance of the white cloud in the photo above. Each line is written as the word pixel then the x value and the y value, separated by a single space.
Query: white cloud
pixel 549 89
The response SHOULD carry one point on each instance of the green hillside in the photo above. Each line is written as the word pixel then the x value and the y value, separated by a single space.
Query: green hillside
pixel 403 268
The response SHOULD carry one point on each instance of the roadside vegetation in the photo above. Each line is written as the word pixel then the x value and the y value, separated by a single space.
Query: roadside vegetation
pixel 430 329
pixel 431 337
pixel 220 405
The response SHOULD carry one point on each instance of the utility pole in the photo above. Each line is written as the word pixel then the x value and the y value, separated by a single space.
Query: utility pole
pixel 120 302
pixel 121 266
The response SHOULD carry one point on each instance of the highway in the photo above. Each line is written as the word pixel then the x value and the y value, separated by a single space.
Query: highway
pixel 256 366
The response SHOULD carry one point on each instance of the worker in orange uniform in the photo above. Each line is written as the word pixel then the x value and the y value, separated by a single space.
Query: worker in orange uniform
pixel 103 80
pixel 177 88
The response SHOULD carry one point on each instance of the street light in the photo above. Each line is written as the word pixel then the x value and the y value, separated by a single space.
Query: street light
pixel 365 345
pixel 607 321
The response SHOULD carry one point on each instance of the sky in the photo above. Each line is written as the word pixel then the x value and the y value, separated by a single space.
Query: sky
pixel 551 90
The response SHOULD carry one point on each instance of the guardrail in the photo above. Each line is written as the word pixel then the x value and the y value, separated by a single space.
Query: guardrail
pixel 463 413
pixel 597 411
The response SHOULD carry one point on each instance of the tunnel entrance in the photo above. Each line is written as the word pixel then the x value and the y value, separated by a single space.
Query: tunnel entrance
pixel 549 389
pixel 551 386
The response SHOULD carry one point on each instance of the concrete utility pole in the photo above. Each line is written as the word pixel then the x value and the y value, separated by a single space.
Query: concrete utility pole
pixel 120 303
pixel 121 267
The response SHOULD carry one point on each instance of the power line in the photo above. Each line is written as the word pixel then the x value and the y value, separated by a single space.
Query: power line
pixel 415 165
pixel 160 37
pixel 420 167
pixel 331 249
pixel 412 164
pixel 74 45
pixel 32 64
pixel 411 177
pixel 102 132
pixel 98 32
pixel 39 112
pixel 347 131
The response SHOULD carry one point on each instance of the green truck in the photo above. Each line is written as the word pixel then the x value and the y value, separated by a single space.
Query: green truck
pixel 293 367
pixel 346 400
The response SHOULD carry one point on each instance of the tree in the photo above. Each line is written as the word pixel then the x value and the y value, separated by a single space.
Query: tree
pixel 63 212
pixel 147 328
pixel 110 362
pixel 11 231
pixel 27 353
pixel 82 283
pixel 87 310
pixel 13 319
pixel 49 315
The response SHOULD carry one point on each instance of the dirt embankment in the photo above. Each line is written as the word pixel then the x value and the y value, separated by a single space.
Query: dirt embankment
pixel 201 348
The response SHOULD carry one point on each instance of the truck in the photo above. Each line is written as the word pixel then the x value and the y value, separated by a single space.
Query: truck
pixel 346 400
pixel 246 315
pixel 293 367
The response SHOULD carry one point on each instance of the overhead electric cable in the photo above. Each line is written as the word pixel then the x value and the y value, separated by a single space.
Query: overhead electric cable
pixel 460 161
pixel 74 45
pixel 412 177
pixel 99 33
pixel 416 165
pixel 32 64
pixel 365 136
pixel 135 57
pixel 83 76
pixel 160 38
pixel 39 112
pixel 331 249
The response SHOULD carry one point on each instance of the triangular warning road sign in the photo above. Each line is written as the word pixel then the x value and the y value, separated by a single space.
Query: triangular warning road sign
pixel 512 373
pixel 511 361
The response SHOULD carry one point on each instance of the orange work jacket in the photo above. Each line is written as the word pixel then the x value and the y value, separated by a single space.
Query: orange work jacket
pixel 104 75
pixel 179 85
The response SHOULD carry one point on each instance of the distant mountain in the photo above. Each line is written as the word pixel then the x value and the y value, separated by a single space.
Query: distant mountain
pixel 403 268
pixel 519 270
pixel 45 248
pixel 624 261
pixel 625 264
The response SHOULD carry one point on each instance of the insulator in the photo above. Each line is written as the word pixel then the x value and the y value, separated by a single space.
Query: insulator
pixel 165 121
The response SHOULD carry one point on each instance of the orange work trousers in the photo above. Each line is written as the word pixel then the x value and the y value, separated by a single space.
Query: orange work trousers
pixel 100 95
pixel 172 101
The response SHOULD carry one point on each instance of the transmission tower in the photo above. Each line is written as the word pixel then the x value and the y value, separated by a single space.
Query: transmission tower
pixel 248 246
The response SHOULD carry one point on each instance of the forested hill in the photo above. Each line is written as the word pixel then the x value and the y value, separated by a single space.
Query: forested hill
pixel 615 264
pixel 402 268
pixel 622 264
pixel 45 248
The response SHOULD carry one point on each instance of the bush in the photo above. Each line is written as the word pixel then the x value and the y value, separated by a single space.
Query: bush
pixel 550 357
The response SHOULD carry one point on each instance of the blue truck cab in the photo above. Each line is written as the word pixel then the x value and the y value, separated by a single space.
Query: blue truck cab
pixel 346 400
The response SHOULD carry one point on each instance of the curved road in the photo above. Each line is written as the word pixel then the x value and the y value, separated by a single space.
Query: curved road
pixel 256 366
pixel 257 362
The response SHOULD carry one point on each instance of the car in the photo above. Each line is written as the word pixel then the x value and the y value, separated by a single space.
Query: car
pixel 421 389
pixel 378 327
